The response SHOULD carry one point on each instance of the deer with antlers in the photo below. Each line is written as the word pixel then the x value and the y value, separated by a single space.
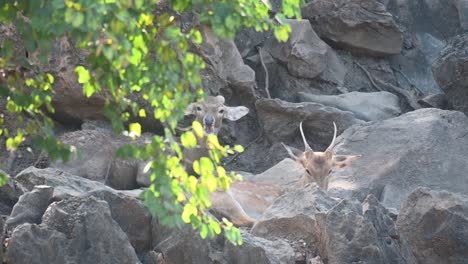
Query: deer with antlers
pixel 318 165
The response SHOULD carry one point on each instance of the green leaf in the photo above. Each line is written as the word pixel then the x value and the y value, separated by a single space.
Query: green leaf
pixel 83 74
pixel 135 129
pixel 198 128
pixel 88 89
pixel 206 167
pixel 3 178
pixel 188 140
pixel 204 231
pixel 77 19
pixel 50 77
pixel 239 148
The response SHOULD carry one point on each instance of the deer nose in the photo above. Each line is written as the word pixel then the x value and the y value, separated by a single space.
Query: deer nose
pixel 209 120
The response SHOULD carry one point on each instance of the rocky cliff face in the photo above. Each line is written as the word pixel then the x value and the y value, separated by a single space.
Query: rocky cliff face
pixel 370 66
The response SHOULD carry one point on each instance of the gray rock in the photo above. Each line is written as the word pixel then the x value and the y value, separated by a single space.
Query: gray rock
pixel 359 25
pixel 280 121
pixel 365 106
pixel 37 244
pixel 9 195
pixel 183 246
pixel 131 215
pixel 355 233
pixel 451 72
pixel 288 219
pixel 435 101
pixel 92 234
pixel 129 212
pixel 306 55
pixel 227 66
pixel 259 250
pixel 403 153
pixel 65 185
pixel 436 225
pixel 76 230
pixel 286 173
pixel 31 206
pixel 70 103
pixel 95 159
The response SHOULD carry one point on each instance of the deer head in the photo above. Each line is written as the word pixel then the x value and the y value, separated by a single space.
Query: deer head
pixel 211 112
pixel 319 165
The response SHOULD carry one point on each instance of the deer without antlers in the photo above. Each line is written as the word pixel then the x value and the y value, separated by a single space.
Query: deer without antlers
pixel 318 165
pixel 210 113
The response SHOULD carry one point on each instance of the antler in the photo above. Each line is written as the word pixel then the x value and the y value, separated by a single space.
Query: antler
pixel 330 148
pixel 306 145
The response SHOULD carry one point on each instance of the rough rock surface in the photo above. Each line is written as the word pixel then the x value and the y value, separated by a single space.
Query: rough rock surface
pixel 9 195
pixel 357 25
pixel 76 230
pixel 306 55
pixel 281 120
pixel 96 159
pixel 288 219
pixel 403 153
pixel 259 250
pixel 65 185
pixel 129 212
pixel 132 216
pixel 451 72
pixel 285 173
pixel 355 233
pixel 31 206
pixel 365 106
pixel 436 225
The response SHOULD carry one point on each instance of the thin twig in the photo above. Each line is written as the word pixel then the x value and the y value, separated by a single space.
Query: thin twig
pixel 267 89
pixel 407 80
pixel 369 76
pixel 245 148
pixel 409 98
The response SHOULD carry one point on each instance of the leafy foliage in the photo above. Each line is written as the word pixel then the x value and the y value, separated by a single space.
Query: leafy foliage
pixel 135 49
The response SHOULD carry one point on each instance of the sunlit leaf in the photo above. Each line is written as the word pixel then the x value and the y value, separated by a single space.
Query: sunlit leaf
pixel 135 129
pixel 188 140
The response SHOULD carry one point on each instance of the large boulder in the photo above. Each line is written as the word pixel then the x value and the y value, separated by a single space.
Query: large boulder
pixel 280 121
pixel 360 233
pixel 365 106
pixel 132 216
pixel 184 245
pixel 259 250
pixel 65 184
pixel 9 195
pixel 36 244
pixel 95 159
pixel 76 230
pixel 436 226
pixel 288 219
pixel 126 209
pixel 357 25
pixel 286 173
pixel 426 147
pixel 451 72
pixel 31 206
pixel 306 55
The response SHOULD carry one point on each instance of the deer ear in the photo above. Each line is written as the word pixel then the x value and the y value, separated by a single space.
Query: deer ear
pixel 294 153
pixel 341 161
pixel 190 110
pixel 235 113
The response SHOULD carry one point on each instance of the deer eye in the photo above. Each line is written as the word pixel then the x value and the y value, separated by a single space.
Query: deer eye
pixel 330 171
pixel 199 108
pixel 308 171
pixel 221 111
